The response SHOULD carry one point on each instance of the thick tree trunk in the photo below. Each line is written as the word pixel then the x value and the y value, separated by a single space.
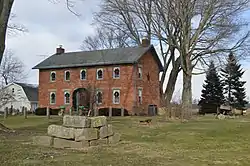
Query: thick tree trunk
pixel 5 9
pixel 186 96
pixel 168 94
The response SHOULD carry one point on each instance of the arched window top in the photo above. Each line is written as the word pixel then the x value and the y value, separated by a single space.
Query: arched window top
pixel 83 74
pixel 67 75
pixel 116 72
pixel 53 76
pixel 99 74
pixel 116 96
pixel 67 98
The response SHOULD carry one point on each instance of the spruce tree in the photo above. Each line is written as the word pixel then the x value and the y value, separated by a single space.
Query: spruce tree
pixel 233 86
pixel 212 92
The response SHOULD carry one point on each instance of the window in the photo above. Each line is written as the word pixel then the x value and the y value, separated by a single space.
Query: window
pixel 13 90
pixel 53 76
pixel 116 96
pixel 99 74
pixel 116 72
pixel 52 98
pixel 66 98
pixel 139 72
pixel 140 96
pixel 83 74
pixel 67 76
pixel 99 97
pixel 148 76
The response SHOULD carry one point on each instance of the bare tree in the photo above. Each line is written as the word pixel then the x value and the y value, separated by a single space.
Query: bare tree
pixel 137 19
pixel 11 69
pixel 105 39
pixel 208 29
pixel 216 32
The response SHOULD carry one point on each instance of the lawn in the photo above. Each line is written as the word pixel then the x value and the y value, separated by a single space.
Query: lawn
pixel 200 142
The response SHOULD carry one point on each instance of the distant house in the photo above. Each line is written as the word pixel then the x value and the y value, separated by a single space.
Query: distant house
pixel 123 77
pixel 19 95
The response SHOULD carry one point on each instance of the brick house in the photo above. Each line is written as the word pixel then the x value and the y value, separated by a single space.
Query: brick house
pixel 123 77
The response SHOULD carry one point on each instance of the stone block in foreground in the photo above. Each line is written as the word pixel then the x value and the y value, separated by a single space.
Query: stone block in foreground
pixel 86 134
pixel 61 132
pixel 98 121
pixel 106 131
pixel 63 143
pixel 76 121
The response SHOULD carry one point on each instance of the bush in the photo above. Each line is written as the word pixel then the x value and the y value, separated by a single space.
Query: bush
pixel 42 111
pixel 115 112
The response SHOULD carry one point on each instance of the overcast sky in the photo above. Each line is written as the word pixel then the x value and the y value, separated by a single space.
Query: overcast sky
pixel 50 25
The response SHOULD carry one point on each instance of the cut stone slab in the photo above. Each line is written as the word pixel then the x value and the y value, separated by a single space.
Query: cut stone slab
pixel 99 142
pixel 98 121
pixel 114 139
pixel 86 134
pixel 76 121
pixel 63 143
pixel 106 131
pixel 43 140
pixel 61 132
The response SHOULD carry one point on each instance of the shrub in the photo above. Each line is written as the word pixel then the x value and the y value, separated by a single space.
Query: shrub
pixel 42 111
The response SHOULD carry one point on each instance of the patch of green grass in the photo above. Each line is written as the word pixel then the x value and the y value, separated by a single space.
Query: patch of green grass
pixel 204 141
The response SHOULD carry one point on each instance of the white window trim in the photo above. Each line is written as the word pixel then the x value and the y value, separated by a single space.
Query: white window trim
pixel 50 76
pixel 140 89
pixel 65 75
pixel 139 67
pixel 50 98
pixel 113 97
pixel 65 97
pixel 114 72
pixel 96 97
pixel 85 74
pixel 97 74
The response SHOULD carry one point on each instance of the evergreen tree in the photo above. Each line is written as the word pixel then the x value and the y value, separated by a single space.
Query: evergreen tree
pixel 212 92
pixel 233 86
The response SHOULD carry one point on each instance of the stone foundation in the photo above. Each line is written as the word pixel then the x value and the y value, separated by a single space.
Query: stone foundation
pixel 79 132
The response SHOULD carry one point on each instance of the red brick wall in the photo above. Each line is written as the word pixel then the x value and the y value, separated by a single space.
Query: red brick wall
pixel 125 84
pixel 150 88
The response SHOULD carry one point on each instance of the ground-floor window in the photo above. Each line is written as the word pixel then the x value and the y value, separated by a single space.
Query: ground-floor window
pixel 116 96
pixel 67 98
pixel 140 96
pixel 99 97
pixel 52 98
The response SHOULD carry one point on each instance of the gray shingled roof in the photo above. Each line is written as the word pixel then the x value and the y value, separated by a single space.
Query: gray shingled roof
pixel 30 90
pixel 127 55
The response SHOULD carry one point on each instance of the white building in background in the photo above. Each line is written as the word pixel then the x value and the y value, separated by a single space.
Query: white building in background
pixel 19 95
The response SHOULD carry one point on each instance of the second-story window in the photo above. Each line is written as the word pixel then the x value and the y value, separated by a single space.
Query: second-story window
pixel 53 76
pixel 67 76
pixel 139 72
pixel 99 74
pixel 116 72
pixel 83 74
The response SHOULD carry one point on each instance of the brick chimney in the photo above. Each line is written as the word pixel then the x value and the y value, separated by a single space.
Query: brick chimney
pixel 60 50
pixel 145 42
